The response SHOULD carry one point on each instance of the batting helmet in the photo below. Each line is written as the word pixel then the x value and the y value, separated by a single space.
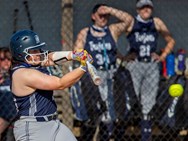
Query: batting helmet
pixel 23 41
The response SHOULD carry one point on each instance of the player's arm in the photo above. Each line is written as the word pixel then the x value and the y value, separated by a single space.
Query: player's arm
pixel 81 39
pixel 24 85
pixel 48 82
pixel 58 58
pixel 117 28
pixel 170 42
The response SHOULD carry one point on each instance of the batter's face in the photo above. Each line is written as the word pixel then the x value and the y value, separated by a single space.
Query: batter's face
pixel 100 20
pixel 34 58
pixel 145 12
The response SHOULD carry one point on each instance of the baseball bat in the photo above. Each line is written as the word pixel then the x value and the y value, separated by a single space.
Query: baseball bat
pixel 28 14
pixel 15 20
pixel 93 73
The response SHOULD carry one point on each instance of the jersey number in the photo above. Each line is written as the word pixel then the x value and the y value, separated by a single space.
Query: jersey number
pixel 144 50
pixel 101 59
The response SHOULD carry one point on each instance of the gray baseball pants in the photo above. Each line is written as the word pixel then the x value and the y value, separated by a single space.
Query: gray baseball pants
pixel 52 130
pixel 145 76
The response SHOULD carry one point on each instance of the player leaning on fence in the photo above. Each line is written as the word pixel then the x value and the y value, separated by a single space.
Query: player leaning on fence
pixel 142 33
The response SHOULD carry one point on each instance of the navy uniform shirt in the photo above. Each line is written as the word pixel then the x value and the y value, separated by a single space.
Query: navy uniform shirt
pixel 38 103
pixel 102 49
pixel 143 38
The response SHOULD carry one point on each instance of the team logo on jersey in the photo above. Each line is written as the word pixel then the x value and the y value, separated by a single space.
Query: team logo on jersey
pixel 144 37
pixel 99 46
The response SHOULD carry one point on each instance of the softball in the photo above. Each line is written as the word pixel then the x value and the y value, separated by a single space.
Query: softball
pixel 176 90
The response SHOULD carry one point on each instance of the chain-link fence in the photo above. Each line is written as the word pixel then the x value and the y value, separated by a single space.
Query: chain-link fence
pixel 88 113
pixel 167 115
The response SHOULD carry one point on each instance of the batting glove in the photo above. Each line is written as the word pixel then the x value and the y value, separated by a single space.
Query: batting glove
pixel 82 56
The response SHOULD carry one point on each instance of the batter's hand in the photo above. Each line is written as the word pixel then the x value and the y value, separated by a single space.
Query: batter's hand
pixel 82 56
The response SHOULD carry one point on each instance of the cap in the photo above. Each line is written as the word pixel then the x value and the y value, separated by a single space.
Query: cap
pixel 96 7
pixel 142 3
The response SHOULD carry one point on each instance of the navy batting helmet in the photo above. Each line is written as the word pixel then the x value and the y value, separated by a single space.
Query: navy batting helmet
pixel 23 41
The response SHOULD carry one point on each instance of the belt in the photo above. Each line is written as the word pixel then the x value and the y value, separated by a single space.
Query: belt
pixel 46 118
pixel 109 67
pixel 38 119
pixel 145 60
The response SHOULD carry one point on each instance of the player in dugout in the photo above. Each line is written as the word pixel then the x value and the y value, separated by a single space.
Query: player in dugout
pixel 142 33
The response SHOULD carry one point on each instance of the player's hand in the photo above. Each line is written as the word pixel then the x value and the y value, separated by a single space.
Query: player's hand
pixel 161 58
pixel 130 57
pixel 156 57
pixel 82 56
pixel 104 10
pixel 163 55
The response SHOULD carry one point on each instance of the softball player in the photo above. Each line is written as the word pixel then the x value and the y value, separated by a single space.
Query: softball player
pixel 33 86
pixel 142 34
pixel 100 40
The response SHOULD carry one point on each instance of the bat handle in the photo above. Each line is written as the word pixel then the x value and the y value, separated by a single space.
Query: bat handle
pixel 93 73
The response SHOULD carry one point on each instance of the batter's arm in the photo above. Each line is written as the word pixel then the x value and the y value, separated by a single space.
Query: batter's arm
pixel 23 85
pixel 170 42
pixel 59 57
